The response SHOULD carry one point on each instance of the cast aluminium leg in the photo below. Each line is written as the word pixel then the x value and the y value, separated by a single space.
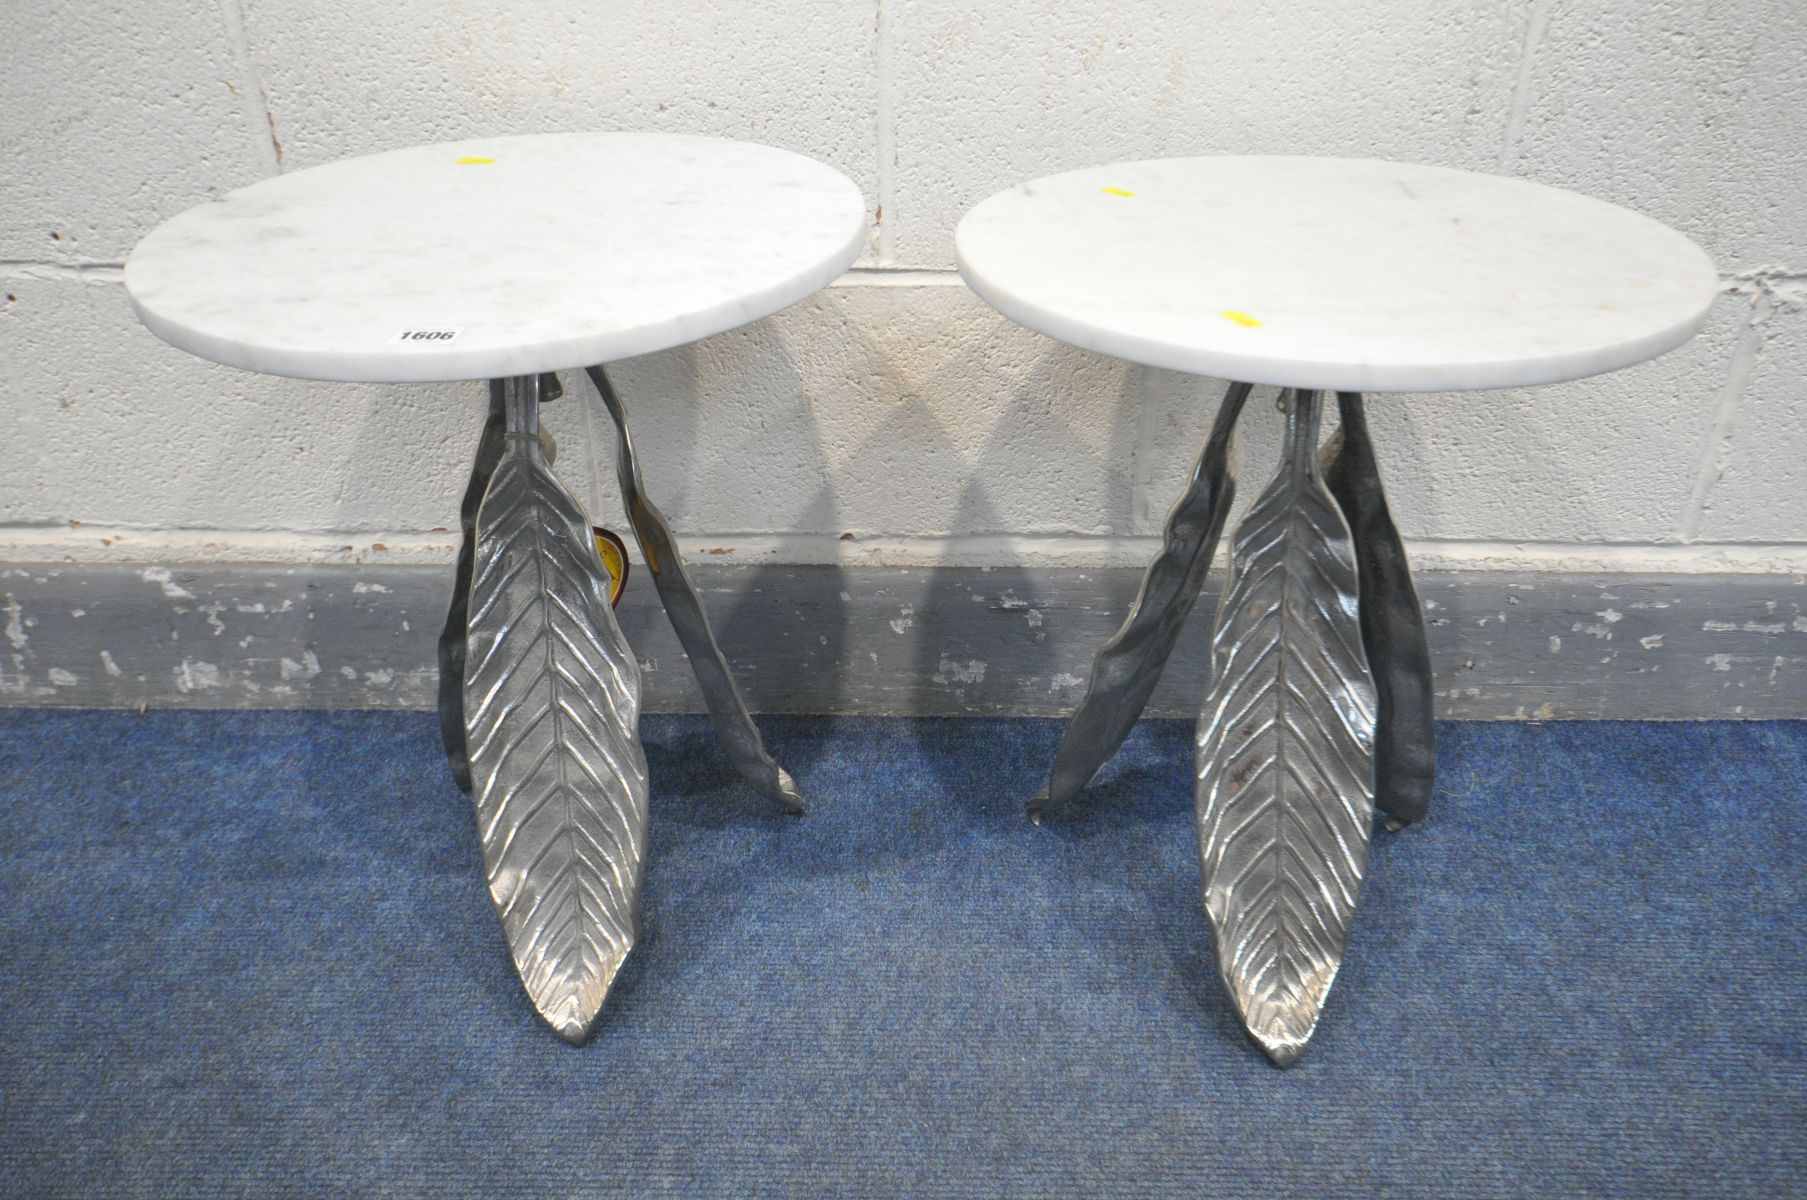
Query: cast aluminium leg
pixel 745 748
pixel 451 638
pixel 1405 745
pixel 1128 667
pixel 551 703
pixel 1286 752
pixel 1298 740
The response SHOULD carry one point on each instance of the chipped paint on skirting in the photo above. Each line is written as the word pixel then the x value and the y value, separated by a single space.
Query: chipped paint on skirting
pixel 867 639
pixel 971 671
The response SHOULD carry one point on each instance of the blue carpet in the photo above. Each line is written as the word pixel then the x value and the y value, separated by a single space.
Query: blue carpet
pixel 251 954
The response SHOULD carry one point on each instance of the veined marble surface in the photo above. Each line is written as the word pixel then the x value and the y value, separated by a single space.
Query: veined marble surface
pixel 496 256
pixel 1336 273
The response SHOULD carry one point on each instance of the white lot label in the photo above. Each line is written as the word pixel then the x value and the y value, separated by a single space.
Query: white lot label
pixel 420 336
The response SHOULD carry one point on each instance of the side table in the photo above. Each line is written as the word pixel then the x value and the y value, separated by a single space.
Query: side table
pixel 506 259
pixel 1310 274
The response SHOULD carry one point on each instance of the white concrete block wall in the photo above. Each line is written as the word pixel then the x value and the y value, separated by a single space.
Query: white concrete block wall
pixel 895 406
pixel 986 95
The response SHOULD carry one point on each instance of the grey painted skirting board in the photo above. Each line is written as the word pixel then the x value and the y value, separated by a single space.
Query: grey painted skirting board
pixel 884 640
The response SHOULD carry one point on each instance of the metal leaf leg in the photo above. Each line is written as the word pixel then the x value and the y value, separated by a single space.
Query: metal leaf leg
pixel 552 707
pixel 746 749
pixel 451 638
pixel 1286 752
pixel 1405 740
pixel 1127 668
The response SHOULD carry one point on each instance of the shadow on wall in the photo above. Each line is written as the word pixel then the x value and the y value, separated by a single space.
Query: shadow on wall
pixel 948 654
pixel 816 632
pixel 902 400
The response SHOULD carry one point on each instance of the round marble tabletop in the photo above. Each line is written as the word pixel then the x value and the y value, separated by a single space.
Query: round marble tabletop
pixel 496 257
pixel 1336 273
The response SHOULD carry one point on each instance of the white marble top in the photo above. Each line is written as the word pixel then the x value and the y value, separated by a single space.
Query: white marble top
pixel 495 257
pixel 1336 273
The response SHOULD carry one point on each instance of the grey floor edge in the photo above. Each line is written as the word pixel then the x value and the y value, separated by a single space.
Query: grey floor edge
pixel 884 640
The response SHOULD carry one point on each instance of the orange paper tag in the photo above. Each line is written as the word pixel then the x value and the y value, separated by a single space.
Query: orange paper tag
pixel 613 553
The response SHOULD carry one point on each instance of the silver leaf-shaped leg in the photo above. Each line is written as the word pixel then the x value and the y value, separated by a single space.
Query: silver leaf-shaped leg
pixel 1127 668
pixel 746 749
pixel 552 708
pixel 1405 738
pixel 452 648
pixel 451 638
pixel 1286 753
